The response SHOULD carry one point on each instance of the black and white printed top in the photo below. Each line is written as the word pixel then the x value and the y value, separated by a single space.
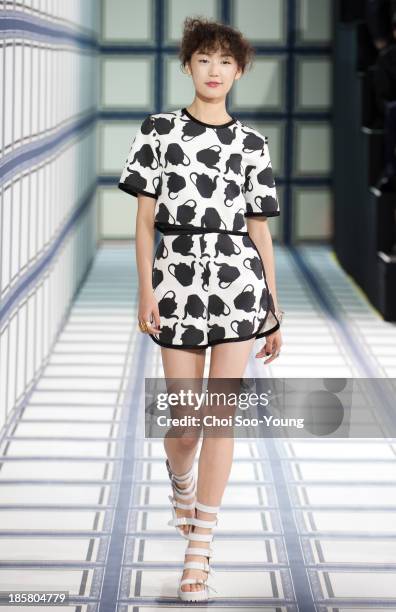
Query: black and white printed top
pixel 202 175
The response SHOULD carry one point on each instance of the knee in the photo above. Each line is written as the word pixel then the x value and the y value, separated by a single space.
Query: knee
pixel 187 442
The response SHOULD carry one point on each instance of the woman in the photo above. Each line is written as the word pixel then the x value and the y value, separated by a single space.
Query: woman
pixel 204 180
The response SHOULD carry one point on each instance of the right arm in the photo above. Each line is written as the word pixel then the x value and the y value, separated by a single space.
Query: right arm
pixel 148 305
pixel 141 177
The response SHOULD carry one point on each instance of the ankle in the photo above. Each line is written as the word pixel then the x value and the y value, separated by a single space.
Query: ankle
pixel 179 475
pixel 206 521
pixel 205 516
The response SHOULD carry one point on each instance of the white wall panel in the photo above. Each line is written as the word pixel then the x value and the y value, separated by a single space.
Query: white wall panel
pixel 314 21
pixel 313 149
pixel 177 10
pixel 313 83
pixel 261 20
pixel 117 214
pixel 261 88
pixel 127 82
pixel 128 21
pixel 49 83
pixel 312 209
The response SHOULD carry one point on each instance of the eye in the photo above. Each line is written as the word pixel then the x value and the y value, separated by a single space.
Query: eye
pixel 224 61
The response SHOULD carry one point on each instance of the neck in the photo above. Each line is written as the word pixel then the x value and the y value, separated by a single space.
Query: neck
pixel 210 112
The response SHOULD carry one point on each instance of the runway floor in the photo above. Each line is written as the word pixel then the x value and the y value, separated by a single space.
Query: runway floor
pixel 305 524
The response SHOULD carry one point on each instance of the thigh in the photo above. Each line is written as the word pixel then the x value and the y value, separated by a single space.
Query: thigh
pixel 229 359
pixel 183 363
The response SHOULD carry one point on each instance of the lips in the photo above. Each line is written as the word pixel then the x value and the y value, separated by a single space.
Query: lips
pixel 213 84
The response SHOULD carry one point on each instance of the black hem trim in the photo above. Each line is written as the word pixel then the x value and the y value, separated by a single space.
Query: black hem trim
pixel 135 190
pixel 213 342
pixel 262 214
pixel 211 125
pixel 255 334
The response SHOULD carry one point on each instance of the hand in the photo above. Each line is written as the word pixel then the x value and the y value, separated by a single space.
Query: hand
pixel 148 311
pixel 271 347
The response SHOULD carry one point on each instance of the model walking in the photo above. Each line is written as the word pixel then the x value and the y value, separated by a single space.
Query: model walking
pixel 204 179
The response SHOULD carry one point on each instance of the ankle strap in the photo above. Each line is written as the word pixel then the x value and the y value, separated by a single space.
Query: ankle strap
pixel 179 477
pixel 186 492
pixel 195 550
pixel 206 508
pixel 198 537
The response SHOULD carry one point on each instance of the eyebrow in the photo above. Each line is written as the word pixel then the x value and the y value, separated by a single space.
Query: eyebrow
pixel 222 54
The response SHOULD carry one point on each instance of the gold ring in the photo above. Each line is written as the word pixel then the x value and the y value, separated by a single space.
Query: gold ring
pixel 142 326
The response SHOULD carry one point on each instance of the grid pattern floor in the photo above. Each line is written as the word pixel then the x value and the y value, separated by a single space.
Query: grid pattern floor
pixel 305 525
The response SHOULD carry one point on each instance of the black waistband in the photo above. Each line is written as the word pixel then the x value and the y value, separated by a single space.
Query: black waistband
pixel 171 228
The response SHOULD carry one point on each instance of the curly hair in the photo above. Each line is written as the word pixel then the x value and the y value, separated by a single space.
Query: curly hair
pixel 204 35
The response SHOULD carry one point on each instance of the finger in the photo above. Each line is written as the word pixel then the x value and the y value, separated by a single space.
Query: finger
pixel 262 352
pixel 274 355
pixel 267 349
pixel 157 319
pixel 147 325
pixel 152 325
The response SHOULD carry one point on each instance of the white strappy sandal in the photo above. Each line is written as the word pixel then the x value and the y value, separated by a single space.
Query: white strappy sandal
pixel 186 493
pixel 202 594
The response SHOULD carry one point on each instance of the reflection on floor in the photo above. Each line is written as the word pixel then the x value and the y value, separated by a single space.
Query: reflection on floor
pixel 305 524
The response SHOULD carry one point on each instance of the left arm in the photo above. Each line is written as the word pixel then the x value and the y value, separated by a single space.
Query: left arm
pixel 259 232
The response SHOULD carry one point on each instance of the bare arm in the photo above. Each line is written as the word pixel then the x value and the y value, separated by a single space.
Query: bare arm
pixel 260 234
pixel 148 306
pixel 145 240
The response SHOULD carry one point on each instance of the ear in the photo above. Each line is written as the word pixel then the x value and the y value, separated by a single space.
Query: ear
pixel 238 74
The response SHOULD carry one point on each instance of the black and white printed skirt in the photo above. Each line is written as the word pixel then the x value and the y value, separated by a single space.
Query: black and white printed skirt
pixel 211 288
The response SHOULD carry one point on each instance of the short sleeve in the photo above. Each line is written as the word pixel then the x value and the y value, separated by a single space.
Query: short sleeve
pixel 142 172
pixel 259 188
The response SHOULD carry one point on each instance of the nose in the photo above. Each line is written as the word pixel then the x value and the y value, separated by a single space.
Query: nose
pixel 214 70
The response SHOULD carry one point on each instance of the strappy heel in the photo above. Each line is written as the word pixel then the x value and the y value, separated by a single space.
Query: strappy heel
pixel 202 594
pixel 186 493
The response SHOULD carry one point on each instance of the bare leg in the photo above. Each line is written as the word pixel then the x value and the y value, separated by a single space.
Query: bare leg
pixel 181 451
pixel 228 360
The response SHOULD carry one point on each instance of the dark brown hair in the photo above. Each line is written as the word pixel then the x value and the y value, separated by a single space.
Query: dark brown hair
pixel 201 34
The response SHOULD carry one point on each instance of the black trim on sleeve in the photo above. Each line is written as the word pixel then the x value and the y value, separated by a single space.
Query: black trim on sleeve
pixel 135 190
pixel 273 213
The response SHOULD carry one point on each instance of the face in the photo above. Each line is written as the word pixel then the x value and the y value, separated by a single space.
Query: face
pixel 209 68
